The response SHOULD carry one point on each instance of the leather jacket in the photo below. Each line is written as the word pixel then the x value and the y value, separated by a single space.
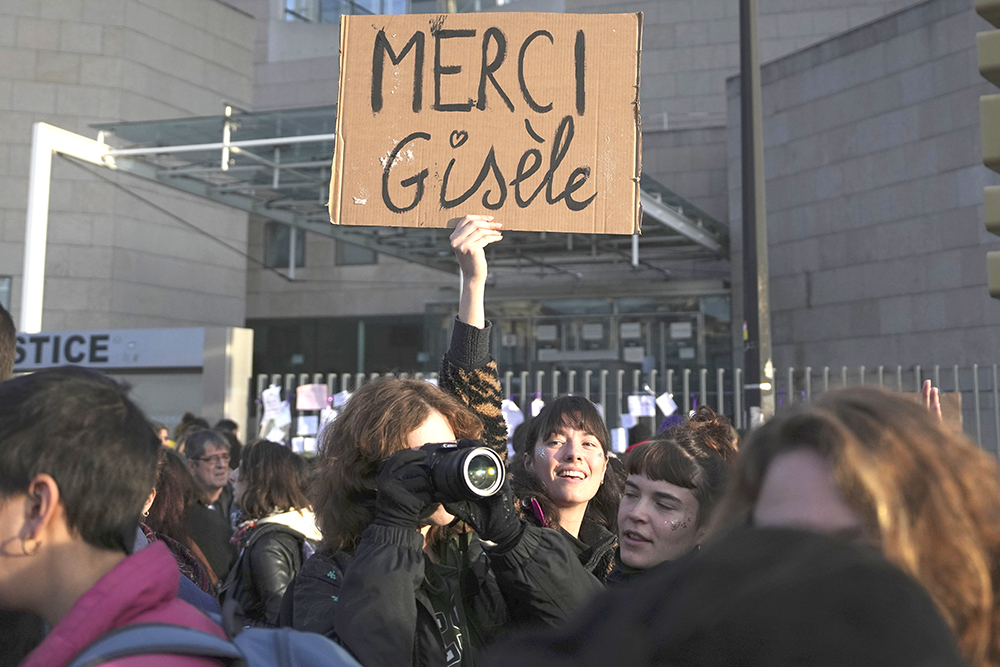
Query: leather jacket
pixel 269 562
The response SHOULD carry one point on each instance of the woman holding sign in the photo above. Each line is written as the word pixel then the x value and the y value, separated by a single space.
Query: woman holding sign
pixel 566 481
pixel 401 580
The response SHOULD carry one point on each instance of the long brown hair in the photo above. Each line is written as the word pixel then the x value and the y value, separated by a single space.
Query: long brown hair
pixel 176 491
pixel 926 494
pixel 275 480
pixel 373 426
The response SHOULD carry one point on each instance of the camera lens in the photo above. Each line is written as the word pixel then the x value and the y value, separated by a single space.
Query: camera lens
pixel 482 472
pixel 464 473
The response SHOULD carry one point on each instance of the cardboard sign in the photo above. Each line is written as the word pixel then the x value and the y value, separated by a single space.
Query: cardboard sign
pixel 532 118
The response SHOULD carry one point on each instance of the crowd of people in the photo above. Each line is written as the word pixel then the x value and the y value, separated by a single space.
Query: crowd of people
pixel 856 529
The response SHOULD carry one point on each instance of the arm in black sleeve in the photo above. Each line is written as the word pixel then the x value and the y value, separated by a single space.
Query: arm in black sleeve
pixel 376 615
pixel 469 373
pixel 541 578
pixel 274 560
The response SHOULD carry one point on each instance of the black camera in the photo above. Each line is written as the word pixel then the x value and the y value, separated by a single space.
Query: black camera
pixel 464 470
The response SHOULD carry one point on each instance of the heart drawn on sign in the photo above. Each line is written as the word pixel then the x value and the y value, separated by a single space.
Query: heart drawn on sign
pixel 458 137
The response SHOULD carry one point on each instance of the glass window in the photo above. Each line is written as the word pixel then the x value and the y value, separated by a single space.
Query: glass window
pixel 349 254
pixel 277 237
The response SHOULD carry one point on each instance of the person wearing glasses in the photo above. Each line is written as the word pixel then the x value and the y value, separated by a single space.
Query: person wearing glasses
pixel 208 456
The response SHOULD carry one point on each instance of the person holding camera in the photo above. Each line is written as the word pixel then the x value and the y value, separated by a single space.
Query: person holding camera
pixel 418 566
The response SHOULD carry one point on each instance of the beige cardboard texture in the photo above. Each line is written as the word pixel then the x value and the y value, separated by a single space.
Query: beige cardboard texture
pixel 531 118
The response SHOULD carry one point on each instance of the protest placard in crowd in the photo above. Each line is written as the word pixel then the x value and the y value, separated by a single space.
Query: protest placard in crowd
pixel 533 118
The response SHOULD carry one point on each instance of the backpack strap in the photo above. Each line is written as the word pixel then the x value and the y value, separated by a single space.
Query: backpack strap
pixel 155 638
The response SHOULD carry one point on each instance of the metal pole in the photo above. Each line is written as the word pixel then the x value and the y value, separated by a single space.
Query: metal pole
pixel 524 392
pixel 291 252
pixel 738 398
pixel 604 394
pixel 702 387
pixel 361 349
pixel 809 383
pixel 975 394
pixel 687 392
pixel 619 389
pixel 996 408
pixel 720 403
pixel 759 367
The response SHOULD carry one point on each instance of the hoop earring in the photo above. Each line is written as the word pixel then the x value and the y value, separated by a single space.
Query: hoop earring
pixel 146 513
pixel 24 548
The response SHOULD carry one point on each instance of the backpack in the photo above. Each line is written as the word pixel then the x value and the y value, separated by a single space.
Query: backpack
pixel 254 647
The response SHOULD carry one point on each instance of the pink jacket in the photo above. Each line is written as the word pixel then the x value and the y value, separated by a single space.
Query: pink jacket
pixel 140 589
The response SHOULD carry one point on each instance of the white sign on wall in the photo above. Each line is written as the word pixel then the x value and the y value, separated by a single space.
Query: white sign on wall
pixel 111 348
pixel 679 330
pixel 631 330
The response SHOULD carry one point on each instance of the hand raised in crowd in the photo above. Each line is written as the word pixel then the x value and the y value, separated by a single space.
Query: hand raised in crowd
pixel 932 398
pixel 471 236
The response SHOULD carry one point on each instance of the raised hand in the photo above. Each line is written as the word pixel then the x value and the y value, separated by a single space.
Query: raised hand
pixel 932 398
pixel 471 236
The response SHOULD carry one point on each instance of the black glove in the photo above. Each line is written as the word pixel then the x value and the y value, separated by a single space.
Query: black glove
pixel 494 518
pixel 404 490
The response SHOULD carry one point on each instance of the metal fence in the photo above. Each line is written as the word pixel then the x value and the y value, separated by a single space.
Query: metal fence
pixel 978 386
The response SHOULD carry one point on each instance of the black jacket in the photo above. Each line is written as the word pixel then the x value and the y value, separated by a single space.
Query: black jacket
pixel 211 531
pixel 595 548
pixel 269 562
pixel 391 606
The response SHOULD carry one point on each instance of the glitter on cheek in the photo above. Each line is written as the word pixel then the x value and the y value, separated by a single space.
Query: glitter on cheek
pixel 540 452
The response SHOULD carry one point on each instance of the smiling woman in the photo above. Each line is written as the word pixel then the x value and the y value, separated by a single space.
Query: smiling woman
pixel 568 480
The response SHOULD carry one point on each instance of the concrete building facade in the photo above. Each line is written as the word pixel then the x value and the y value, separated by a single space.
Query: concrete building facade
pixel 873 176
pixel 875 195
pixel 113 260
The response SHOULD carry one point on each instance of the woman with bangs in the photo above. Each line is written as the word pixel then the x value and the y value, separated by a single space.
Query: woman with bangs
pixel 406 576
pixel 674 482
pixel 568 479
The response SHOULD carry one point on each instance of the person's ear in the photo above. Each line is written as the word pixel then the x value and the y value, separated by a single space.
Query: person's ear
pixel 149 502
pixel 529 462
pixel 41 508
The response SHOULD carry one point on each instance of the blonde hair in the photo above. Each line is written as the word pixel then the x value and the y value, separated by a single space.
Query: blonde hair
pixel 927 496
